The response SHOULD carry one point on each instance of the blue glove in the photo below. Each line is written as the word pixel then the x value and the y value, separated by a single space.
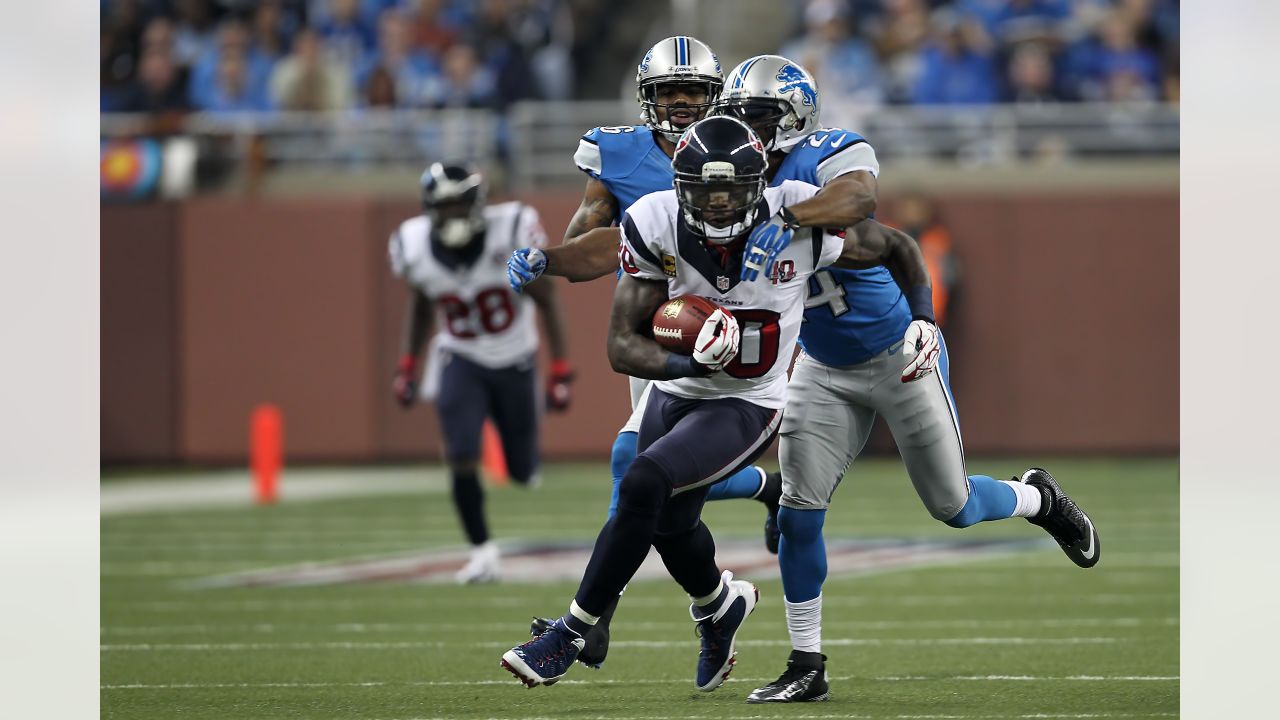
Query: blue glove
pixel 524 266
pixel 766 242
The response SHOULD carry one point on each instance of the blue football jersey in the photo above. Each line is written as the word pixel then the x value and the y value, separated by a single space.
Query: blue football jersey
pixel 627 160
pixel 851 315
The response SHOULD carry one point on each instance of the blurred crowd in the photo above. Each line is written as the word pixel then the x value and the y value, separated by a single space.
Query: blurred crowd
pixel 159 56
pixel 869 53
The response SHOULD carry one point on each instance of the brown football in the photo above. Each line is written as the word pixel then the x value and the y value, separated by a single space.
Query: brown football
pixel 677 322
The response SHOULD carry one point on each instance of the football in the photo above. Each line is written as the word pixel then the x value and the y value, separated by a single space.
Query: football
pixel 677 322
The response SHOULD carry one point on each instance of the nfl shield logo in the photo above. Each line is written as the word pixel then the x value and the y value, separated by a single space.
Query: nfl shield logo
pixel 722 283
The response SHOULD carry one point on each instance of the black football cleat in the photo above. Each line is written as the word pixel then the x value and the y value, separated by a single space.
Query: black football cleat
pixel 597 638
pixel 1064 520
pixel 770 495
pixel 805 680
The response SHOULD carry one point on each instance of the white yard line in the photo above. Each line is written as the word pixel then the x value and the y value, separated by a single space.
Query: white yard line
pixel 641 644
pixel 373 628
pixel 642 681
pixel 233 488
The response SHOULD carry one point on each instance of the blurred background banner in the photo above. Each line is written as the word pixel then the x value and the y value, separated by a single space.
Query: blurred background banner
pixel 269 148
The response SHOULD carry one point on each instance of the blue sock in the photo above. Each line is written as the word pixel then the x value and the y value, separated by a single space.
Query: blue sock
pixel 989 499
pixel 743 484
pixel 802 554
pixel 620 458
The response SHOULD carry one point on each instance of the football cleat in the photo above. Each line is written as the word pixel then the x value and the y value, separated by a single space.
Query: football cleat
pixel 546 658
pixel 482 567
pixel 805 680
pixel 770 496
pixel 1064 520
pixel 597 638
pixel 718 631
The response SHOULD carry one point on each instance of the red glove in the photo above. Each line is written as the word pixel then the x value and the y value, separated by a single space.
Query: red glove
pixel 558 385
pixel 405 384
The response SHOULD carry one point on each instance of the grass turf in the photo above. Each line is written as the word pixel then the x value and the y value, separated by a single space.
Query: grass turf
pixel 1027 635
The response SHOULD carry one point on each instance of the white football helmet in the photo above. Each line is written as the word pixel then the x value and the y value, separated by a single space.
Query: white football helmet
pixel 679 59
pixel 775 96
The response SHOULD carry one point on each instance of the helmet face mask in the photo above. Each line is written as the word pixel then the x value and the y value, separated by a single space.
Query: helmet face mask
pixel 453 198
pixel 668 65
pixel 764 116
pixel 719 169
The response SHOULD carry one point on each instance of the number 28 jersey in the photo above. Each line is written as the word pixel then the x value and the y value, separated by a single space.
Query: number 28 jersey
pixel 484 321
pixel 656 245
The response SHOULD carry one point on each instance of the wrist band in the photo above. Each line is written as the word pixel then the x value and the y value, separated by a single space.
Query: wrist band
pixel 920 300
pixel 560 367
pixel 407 363
pixel 679 366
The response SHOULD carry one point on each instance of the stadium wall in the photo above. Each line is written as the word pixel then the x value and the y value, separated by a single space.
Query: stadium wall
pixel 1064 337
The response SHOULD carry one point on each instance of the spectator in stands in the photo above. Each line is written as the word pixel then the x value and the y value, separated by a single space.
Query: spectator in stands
pixel 899 33
pixel 160 86
pixel 1030 75
pixel 464 83
pixel 844 65
pixel 1113 66
pixel 119 48
pixel 493 40
pixel 433 29
pixel 958 65
pixel 209 80
pixel 308 80
pixel 347 37
pixel 1014 21
pixel 193 30
pixel 544 31
pixel 271 29
pixel 234 86
pixel 412 69
pixel 379 89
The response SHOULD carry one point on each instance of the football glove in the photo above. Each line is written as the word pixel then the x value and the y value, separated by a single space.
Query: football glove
pixel 920 348
pixel 717 343
pixel 524 266
pixel 558 385
pixel 405 384
pixel 766 242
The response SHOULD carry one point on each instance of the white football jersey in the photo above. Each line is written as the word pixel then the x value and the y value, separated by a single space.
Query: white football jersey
pixel 769 310
pixel 482 319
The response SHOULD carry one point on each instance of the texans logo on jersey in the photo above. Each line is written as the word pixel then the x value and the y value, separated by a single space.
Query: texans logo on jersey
pixel 792 78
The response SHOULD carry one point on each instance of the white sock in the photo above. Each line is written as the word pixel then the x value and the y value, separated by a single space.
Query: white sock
pixel 1028 504
pixel 581 614
pixel 804 623
pixel 708 599
pixel 764 480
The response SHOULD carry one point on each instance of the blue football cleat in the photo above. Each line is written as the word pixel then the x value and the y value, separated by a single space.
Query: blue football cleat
pixel 546 658
pixel 718 630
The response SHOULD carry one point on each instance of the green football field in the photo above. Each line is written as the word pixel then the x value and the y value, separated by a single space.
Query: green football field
pixel 1015 634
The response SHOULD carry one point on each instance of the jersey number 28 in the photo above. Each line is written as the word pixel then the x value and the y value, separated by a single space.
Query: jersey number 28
pixel 492 307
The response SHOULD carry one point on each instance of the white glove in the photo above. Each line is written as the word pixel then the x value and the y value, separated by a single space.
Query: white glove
pixel 920 348
pixel 717 343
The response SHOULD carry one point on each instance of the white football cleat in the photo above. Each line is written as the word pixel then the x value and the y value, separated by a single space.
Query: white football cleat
pixel 482 567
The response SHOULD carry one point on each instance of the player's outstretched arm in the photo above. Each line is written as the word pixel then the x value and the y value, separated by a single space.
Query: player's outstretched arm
pixel 630 352
pixel 597 210
pixel 844 201
pixel 417 328
pixel 593 254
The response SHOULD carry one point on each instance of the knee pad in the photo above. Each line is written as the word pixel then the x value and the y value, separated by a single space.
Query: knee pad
pixel 645 487
pixel 803 526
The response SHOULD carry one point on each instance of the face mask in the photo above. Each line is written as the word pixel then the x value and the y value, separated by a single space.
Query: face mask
pixel 456 232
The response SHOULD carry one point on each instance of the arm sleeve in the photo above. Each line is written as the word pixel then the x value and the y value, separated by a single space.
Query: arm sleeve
pixel 858 155
pixel 635 256
pixel 587 157
pixel 529 232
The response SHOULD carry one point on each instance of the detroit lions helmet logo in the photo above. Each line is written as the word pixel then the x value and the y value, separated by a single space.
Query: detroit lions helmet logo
pixel 644 63
pixel 793 78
